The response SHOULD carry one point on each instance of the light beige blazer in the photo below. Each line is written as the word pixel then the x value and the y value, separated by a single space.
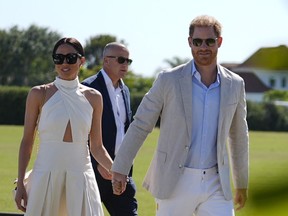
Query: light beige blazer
pixel 171 98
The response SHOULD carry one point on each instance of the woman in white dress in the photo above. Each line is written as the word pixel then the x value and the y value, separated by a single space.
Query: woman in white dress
pixel 66 114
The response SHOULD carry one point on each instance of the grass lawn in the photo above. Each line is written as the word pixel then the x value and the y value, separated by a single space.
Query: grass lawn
pixel 268 193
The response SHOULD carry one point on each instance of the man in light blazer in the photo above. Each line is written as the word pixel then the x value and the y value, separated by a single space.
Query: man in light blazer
pixel 203 132
pixel 116 119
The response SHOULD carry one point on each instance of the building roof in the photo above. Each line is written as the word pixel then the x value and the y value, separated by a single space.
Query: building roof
pixel 252 83
pixel 271 58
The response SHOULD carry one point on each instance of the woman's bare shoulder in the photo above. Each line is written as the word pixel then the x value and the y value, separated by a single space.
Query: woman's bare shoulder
pixel 89 90
pixel 39 91
pixel 90 93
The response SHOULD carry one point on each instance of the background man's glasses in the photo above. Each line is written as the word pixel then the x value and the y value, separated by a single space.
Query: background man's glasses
pixel 121 60
pixel 209 41
pixel 71 58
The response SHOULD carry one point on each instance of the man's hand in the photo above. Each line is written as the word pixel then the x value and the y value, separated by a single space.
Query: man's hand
pixel 240 198
pixel 104 173
pixel 119 182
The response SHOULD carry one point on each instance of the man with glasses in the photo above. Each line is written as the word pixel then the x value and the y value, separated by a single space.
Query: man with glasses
pixel 116 119
pixel 203 132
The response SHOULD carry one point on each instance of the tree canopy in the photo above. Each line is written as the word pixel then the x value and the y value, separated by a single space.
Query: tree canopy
pixel 25 55
pixel 94 49
pixel 25 58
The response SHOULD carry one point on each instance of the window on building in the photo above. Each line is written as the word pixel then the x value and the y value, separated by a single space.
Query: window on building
pixel 284 82
pixel 272 82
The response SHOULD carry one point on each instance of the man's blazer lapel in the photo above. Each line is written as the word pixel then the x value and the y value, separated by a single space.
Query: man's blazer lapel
pixel 124 92
pixel 185 83
pixel 105 95
pixel 226 91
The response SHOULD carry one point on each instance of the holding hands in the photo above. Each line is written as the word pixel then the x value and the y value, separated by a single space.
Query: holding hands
pixel 119 182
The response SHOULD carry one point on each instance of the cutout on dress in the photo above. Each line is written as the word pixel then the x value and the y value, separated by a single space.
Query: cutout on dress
pixel 68 133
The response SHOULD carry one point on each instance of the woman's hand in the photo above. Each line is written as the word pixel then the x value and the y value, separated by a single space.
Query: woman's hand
pixel 21 197
pixel 104 172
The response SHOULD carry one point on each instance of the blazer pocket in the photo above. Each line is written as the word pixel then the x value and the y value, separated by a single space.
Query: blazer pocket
pixel 232 102
pixel 161 157
pixel 229 109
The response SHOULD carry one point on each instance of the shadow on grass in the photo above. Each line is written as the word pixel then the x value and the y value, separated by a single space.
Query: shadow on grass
pixel 270 196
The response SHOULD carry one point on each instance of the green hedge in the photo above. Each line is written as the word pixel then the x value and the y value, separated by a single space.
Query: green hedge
pixel 12 108
pixel 267 117
pixel 260 116
pixel 13 99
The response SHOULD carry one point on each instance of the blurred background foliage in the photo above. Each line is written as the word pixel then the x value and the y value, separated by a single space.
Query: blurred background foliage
pixel 25 59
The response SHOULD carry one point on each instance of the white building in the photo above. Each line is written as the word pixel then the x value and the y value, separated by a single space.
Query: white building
pixel 266 69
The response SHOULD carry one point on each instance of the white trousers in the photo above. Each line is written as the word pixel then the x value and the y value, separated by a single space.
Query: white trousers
pixel 198 193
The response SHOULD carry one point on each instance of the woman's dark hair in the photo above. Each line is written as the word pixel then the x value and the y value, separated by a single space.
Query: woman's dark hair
pixel 71 41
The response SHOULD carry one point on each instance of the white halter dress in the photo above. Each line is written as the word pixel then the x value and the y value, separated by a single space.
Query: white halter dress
pixel 63 181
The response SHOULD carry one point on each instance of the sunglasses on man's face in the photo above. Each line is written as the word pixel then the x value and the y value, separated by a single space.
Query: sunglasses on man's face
pixel 209 41
pixel 71 58
pixel 121 60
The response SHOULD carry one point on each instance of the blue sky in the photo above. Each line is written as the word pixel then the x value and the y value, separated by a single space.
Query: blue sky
pixel 156 29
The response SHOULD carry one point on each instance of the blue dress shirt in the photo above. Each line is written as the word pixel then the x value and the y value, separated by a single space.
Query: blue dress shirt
pixel 205 115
